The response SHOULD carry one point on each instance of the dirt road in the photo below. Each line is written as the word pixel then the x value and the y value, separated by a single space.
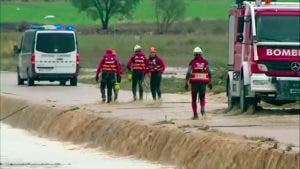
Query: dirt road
pixel 280 124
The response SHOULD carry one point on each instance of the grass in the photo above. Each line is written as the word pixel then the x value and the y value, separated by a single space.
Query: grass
pixel 35 12
pixel 64 12
pixel 175 49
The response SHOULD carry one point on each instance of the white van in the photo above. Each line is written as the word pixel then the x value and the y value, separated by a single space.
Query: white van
pixel 48 53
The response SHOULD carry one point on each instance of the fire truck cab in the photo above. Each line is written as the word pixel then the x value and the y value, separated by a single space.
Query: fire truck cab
pixel 264 53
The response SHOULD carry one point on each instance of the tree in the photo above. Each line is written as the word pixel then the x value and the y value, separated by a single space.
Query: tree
pixel 168 11
pixel 105 9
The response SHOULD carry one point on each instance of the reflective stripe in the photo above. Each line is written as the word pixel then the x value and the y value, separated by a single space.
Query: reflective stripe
pixel 154 67
pixel 139 63
pixel 110 65
pixel 200 77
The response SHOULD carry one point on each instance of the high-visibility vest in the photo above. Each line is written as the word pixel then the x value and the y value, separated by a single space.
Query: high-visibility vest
pixel 154 66
pixel 139 63
pixel 199 72
pixel 109 64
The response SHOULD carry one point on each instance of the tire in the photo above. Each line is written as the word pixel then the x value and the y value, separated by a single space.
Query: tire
pixel 62 82
pixel 231 101
pixel 30 81
pixel 253 105
pixel 243 101
pixel 20 81
pixel 73 81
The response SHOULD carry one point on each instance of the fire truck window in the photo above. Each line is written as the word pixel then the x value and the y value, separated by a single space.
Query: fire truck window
pixel 278 28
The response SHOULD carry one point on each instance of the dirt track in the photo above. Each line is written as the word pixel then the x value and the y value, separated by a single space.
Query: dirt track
pixel 280 124
pixel 169 118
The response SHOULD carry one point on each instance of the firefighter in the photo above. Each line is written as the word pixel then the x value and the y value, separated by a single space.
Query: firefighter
pixel 198 75
pixel 156 67
pixel 110 68
pixel 137 64
pixel 117 84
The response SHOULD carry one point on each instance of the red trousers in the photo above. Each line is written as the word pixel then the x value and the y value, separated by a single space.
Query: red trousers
pixel 198 90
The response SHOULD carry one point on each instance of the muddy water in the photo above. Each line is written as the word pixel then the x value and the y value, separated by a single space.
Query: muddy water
pixel 19 150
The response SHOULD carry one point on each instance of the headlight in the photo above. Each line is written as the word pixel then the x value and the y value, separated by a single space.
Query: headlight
pixel 262 67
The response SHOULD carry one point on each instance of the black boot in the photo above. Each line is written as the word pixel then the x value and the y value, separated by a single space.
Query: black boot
pixel 195 117
pixel 202 111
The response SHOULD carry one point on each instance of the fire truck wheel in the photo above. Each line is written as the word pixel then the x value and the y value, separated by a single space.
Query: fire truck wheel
pixel 231 101
pixel 243 100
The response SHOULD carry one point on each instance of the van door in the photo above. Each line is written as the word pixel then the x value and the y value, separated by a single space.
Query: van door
pixel 56 52
pixel 26 53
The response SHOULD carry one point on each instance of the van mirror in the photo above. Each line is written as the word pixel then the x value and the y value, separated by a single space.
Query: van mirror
pixel 240 38
pixel 240 25
pixel 17 50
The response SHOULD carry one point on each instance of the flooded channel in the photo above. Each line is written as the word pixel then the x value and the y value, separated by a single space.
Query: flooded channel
pixel 21 150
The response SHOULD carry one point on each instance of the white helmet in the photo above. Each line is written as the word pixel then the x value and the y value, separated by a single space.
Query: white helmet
pixel 197 50
pixel 137 47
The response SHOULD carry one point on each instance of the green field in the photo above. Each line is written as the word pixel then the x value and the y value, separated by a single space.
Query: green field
pixel 64 12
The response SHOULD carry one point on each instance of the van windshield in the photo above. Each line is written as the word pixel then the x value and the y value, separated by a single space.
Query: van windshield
pixel 55 42
pixel 278 28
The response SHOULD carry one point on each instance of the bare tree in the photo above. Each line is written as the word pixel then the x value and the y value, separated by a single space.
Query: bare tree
pixel 105 9
pixel 167 12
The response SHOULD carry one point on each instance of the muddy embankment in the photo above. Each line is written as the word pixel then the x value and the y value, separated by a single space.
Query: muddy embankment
pixel 191 150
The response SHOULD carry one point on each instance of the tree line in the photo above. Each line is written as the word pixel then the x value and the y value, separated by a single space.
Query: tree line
pixel 166 11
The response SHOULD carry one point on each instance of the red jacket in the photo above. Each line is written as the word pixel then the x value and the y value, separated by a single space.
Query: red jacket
pixel 199 70
pixel 156 64
pixel 109 63
pixel 138 61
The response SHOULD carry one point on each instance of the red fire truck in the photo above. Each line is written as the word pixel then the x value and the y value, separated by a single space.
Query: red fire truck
pixel 264 53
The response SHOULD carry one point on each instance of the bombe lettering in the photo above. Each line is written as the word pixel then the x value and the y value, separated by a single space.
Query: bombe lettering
pixel 283 52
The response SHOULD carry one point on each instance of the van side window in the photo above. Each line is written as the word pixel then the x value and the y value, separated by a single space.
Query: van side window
pixel 27 43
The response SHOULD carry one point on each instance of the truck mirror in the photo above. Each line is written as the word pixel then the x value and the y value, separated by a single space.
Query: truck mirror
pixel 240 25
pixel 16 49
pixel 240 38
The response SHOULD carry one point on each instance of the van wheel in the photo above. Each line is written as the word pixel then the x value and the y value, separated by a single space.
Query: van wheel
pixel 73 81
pixel 30 81
pixel 243 100
pixel 20 81
pixel 62 82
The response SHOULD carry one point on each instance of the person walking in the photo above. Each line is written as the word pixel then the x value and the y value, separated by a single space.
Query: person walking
pixel 198 75
pixel 137 64
pixel 156 67
pixel 109 69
